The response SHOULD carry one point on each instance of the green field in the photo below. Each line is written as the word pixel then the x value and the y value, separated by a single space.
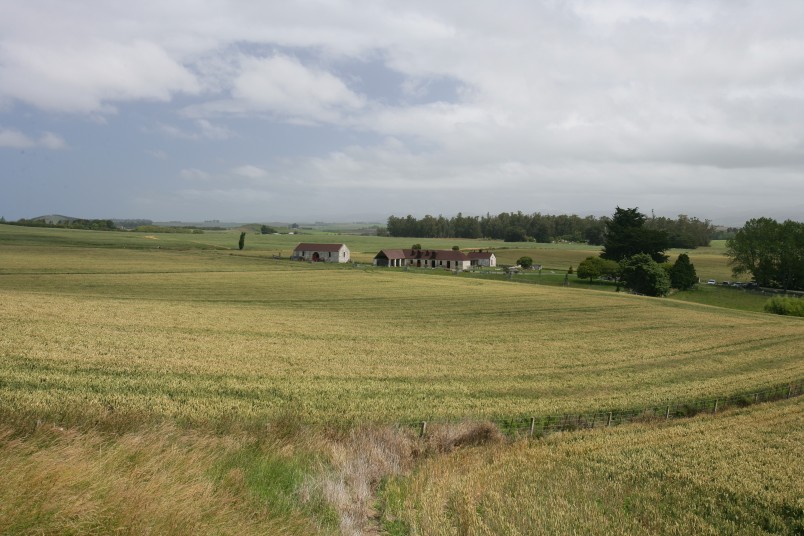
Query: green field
pixel 110 336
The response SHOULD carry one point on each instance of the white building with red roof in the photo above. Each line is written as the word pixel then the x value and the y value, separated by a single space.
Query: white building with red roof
pixel 423 258
pixel 482 258
pixel 321 253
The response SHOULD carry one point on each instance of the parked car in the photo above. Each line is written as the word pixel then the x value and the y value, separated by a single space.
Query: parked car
pixel 711 282
pixel 725 283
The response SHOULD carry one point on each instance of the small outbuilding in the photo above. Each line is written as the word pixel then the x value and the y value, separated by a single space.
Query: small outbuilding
pixel 321 253
pixel 482 259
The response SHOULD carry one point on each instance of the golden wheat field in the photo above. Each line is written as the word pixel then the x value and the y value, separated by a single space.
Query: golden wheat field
pixel 735 474
pixel 207 335
pixel 197 389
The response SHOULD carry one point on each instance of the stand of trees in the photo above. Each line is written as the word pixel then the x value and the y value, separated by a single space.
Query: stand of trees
pixel 633 251
pixel 772 252
pixel 76 223
pixel 683 232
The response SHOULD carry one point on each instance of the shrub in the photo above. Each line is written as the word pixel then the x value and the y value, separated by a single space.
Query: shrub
pixel 785 306
pixel 643 275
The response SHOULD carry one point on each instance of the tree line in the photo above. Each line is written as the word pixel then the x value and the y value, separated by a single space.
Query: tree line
pixel 634 254
pixel 77 223
pixel 682 232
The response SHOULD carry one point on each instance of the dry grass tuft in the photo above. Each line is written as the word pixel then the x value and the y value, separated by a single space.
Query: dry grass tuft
pixel 360 460
pixel 443 438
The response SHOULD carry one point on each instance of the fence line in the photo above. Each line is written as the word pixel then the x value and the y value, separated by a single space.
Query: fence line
pixel 538 426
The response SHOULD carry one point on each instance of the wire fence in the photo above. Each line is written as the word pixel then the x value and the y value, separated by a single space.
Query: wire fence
pixel 538 426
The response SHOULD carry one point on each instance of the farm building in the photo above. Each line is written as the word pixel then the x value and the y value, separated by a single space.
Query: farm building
pixel 482 258
pixel 321 253
pixel 423 258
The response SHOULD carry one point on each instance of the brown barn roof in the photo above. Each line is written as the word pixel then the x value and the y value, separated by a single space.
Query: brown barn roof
pixel 424 254
pixel 480 255
pixel 318 247
pixel 392 253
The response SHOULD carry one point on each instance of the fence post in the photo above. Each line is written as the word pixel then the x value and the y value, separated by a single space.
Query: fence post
pixel 608 423
pixel 667 413
pixel 789 390
pixel 424 429
pixel 532 425
pixel 756 397
pixel 715 409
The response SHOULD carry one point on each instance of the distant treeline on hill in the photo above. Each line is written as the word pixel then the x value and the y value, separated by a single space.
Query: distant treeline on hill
pixel 71 223
pixel 684 232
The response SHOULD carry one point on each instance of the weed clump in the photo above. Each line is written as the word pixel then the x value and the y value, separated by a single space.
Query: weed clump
pixel 442 438
pixel 785 306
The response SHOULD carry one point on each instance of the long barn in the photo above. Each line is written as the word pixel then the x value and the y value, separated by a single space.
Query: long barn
pixel 423 258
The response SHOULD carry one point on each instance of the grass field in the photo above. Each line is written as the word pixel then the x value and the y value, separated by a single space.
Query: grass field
pixel 116 354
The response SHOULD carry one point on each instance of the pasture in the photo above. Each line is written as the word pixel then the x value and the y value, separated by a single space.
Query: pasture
pixel 240 379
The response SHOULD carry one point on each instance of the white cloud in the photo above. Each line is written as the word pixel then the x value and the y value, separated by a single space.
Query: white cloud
pixel 283 87
pixel 203 130
pixel 192 174
pixel 250 172
pixel 17 140
pixel 546 97
pixel 51 141
pixel 88 77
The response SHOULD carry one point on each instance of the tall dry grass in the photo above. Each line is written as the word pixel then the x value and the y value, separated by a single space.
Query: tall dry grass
pixel 735 473
pixel 156 481
pixel 361 459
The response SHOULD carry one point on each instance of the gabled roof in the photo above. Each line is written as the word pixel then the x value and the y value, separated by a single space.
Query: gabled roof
pixel 480 255
pixel 392 253
pixel 319 247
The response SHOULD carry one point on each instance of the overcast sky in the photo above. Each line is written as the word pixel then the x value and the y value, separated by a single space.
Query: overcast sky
pixel 355 110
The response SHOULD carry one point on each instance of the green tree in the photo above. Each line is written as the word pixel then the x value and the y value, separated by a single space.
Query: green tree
pixel 267 229
pixel 682 274
pixel 626 236
pixel 595 267
pixel 242 242
pixel 515 234
pixel 643 275
pixel 771 252
pixel 525 262
pixel 416 246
